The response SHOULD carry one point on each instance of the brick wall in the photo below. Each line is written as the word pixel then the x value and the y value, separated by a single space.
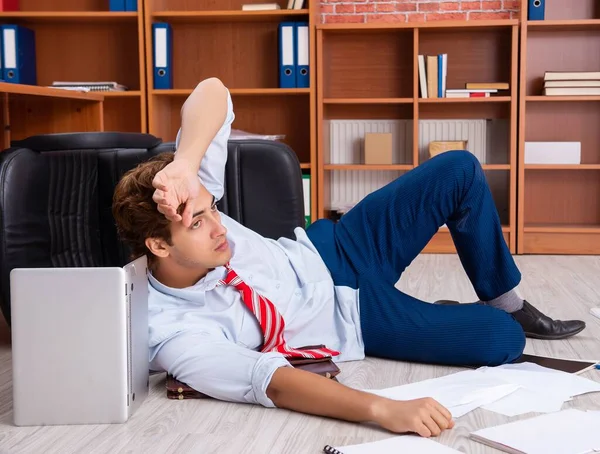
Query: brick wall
pixel 358 11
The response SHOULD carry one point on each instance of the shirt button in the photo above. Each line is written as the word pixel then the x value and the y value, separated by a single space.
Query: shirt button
pixel 277 285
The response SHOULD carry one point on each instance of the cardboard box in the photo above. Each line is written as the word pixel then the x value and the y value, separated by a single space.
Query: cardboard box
pixel 438 147
pixel 378 148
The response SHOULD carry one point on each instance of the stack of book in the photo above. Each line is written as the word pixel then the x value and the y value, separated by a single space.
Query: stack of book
pixel 477 90
pixel 89 86
pixel 576 83
pixel 292 4
pixel 433 71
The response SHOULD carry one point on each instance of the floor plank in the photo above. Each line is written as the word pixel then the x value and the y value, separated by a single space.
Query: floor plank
pixel 565 287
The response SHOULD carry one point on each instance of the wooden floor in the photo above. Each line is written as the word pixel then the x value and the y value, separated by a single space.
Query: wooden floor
pixel 565 287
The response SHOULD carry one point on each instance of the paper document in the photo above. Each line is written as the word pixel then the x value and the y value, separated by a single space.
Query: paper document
pixel 565 432
pixel 395 445
pixel 558 387
pixel 460 393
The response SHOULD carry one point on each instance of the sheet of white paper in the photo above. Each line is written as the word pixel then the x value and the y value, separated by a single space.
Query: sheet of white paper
pixel 460 393
pixel 565 432
pixel 558 387
pixel 526 401
pixel 401 444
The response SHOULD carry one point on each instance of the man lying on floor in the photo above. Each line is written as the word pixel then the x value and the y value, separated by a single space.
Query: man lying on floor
pixel 228 306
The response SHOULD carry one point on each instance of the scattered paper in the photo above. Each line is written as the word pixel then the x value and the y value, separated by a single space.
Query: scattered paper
pixel 460 393
pixel 400 444
pixel 510 389
pixel 526 401
pixel 558 387
pixel 566 432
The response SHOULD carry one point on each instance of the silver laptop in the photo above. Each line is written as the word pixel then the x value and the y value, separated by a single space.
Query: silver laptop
pixel 79 344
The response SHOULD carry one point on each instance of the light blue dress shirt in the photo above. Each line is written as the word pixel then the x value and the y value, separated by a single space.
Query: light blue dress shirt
pixel 206 336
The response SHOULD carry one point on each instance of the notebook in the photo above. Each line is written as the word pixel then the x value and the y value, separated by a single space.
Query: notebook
pixel 565 432
pixel 571 366
pixel 395 445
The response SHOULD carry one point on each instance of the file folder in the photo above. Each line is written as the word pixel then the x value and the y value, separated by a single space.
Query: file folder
pixel 1 55
pixel 307 199
pixel 130 5
pixel 163 74
pixel 9 5
pixel 116 5
pixel 287 57
pixel 18 49
pixel 302 55
pixel 536 9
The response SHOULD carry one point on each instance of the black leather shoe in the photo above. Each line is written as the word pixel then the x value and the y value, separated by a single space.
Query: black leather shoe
pixel 539 326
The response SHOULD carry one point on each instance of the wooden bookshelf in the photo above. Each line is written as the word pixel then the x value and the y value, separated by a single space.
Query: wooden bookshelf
pixel 559 205
pixel 218 39
pixel 81 40
pixel 370 71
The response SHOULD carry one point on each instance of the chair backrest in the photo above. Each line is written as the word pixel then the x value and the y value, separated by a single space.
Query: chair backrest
pixel 56 197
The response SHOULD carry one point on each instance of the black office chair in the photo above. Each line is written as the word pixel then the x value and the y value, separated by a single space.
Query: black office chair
pixel 56 193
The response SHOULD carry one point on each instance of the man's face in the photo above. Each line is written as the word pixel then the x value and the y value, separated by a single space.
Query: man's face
pixel 203 244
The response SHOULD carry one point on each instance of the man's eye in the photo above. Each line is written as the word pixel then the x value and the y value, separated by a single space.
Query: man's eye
pixel 196 224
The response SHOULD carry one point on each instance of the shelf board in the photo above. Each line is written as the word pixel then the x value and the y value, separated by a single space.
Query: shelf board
pixel 476 24
pixel 570 24
pixel 495 166
pixel 505 229
pixel 72 16
pixel 561 98
pixel 238 91
pixel 228 16
pixel 456 100
pixel 121 94
pixel 305 165
pixel 368 100
pixel 556 228
pixel 365 167
pixel 562 166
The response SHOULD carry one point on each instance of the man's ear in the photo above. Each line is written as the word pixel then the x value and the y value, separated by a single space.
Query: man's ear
pixel 157 246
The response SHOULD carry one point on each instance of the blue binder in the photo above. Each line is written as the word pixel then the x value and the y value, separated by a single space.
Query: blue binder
pixel 536 9
pixel 287 55
pixel 302 55
pixel 163 74
pixel 116 5
pixel 1 55
pixel 18 49
pixel 130 5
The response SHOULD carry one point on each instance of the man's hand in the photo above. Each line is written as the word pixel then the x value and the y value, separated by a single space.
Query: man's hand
pixel 177 184
pixel 425 417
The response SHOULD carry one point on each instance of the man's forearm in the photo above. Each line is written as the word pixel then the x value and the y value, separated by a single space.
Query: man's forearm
pixel 202 115
pixel 306 392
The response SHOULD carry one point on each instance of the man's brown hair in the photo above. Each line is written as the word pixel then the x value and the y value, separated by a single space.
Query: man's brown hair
pixel 136 214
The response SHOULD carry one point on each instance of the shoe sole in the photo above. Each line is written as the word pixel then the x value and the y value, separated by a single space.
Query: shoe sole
pixel 564 336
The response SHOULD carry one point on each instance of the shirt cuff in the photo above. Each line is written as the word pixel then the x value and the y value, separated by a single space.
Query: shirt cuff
pixel 263 371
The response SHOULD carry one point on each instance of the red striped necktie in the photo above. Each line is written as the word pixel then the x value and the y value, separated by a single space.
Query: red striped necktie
pixel 270 320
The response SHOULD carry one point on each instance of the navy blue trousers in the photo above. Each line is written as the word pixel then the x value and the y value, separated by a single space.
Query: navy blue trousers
pixel 372 244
